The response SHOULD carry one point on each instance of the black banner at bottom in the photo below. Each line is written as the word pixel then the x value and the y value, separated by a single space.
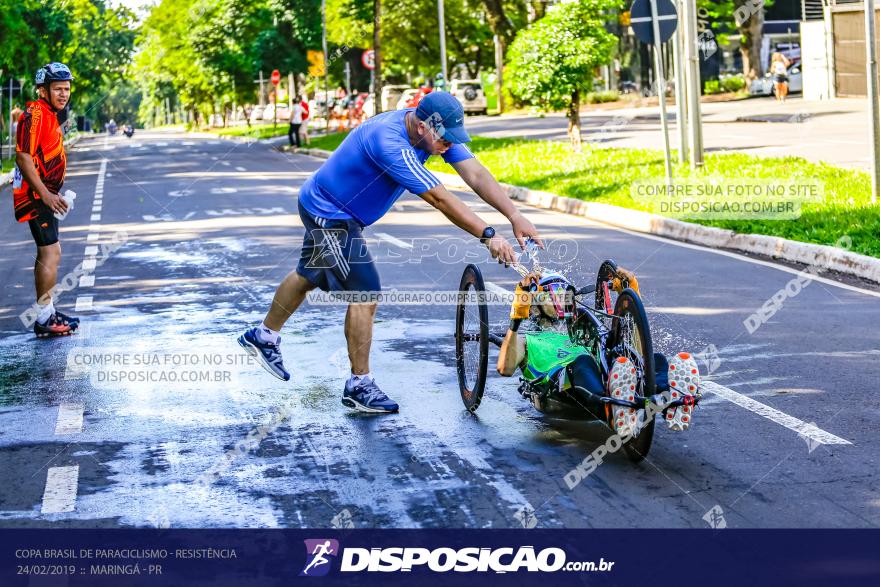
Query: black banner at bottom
pixel 220 558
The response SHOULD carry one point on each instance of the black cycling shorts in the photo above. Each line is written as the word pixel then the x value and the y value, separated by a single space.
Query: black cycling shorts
pixel 44 227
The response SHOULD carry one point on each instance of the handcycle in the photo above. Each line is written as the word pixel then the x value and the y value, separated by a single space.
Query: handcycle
pixel 611 326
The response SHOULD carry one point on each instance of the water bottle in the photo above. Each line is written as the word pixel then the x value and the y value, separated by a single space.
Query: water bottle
pixel 68 196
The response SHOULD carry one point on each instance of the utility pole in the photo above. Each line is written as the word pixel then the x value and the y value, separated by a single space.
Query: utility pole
pixel 377 56
pixel 326 65
pixel 695 122
pixel 499 67
pixel 680 90
pixel 260 81
pixel 661 88
pixel 871 49
pixel 442 40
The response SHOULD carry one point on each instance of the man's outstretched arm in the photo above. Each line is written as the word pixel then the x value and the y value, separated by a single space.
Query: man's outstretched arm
pixel 463 217
pixel 487 187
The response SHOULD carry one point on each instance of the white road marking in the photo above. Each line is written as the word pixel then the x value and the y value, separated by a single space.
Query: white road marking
pixel 802 428
pixel 394 241
pixel 70 419
pixel 93 237
pixel 223 190
pixel 240 168
pixel 91 251
pixel 83 304
pixel 60 493
pixel 179 193
pixel 740 257
pixel 95 218
pixel 226 163
pixel 96 208
pixel 89 264
pixel 87 281
pixel 162 144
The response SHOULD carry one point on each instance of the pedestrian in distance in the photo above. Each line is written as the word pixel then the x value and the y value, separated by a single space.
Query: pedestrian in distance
pixel 16 114
pixel 304 129
pixel 41 164
pixel 296 120
pixel 779 69
pixel 354 188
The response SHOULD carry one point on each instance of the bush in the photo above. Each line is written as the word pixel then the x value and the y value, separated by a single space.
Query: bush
pixel 733 83
pixel 712 86
pixel 600 97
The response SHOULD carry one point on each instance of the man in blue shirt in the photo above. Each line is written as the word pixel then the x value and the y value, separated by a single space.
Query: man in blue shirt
pixel 353 189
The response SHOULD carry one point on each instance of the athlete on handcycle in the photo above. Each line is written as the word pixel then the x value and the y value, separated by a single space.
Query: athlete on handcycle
pixel 559 356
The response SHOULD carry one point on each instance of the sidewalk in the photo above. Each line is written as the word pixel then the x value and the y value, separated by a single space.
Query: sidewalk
pixel 832 131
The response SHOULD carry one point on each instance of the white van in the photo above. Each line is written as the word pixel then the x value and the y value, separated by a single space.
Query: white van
pixel 470 93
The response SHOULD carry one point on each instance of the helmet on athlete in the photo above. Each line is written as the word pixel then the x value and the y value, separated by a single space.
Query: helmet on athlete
pixel 552 291
pixel 53 72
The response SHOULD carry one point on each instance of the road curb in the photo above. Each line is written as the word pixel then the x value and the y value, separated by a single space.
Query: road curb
pixel 822 256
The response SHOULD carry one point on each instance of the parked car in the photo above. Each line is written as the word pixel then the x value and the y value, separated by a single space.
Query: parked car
pixel 470 93
pixel 406 97
pixel 765 85
pixel 390 96
pixel 257 113
pixel 269 113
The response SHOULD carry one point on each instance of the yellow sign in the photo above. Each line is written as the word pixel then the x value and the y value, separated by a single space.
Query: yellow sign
pixel 316 63
pixel 624 18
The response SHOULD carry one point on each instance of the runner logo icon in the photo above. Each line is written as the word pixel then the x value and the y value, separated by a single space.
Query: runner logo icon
pixel 318 556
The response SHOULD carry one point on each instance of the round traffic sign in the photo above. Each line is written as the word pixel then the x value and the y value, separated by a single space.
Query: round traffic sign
pixel 368 59
pixel 276 77
pixel 640 20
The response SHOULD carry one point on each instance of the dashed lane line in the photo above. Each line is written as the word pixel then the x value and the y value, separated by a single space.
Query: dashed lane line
pixel 60 493
pixel 394 241
pixel 70 419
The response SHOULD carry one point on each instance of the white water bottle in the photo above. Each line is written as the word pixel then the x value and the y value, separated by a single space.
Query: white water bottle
pixel 68 196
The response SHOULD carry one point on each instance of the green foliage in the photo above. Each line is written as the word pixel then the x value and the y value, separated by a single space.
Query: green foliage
pixel 94 39
pixel 410 37
pixel 712 86
pixel 602 97
pixel 205 54
pixel 606 175
pixel 733 83
pixel 555 57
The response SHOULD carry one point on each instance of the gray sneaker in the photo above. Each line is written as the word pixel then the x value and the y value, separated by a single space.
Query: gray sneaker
pixel 367 397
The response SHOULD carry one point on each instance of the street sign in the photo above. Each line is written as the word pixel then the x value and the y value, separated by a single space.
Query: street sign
pixel 368 59
pixel 316 63
pixel 276 77
pixel 642 25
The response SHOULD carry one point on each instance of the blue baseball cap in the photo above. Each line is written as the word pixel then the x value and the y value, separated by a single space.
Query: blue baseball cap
pixel 445 114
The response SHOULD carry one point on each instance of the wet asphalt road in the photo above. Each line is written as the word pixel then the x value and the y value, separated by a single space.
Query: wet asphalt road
pixel 210 228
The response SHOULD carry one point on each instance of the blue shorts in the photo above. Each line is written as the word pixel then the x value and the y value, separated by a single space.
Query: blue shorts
pixel 335 257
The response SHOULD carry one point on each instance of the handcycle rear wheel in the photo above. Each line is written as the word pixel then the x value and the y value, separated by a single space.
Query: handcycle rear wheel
pixel 631 337
pixel 472 338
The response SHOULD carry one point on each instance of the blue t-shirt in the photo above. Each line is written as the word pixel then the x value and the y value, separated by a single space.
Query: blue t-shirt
pixel 370 169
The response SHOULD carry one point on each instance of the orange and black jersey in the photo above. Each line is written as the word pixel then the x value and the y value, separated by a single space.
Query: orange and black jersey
pixel 39 135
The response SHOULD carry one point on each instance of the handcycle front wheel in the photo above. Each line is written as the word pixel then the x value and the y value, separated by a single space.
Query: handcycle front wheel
pixel 472 338
pixel 631 337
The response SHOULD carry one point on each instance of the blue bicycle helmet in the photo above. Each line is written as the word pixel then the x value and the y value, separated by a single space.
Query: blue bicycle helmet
pixel 53 72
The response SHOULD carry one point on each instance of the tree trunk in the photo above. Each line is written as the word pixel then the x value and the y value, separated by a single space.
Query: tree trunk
pixel 749 18
pixel 377 72
pixel 498 22
pixel 574 121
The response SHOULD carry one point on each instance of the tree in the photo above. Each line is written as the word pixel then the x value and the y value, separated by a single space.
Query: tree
pixel 747 18
pixel 552 61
